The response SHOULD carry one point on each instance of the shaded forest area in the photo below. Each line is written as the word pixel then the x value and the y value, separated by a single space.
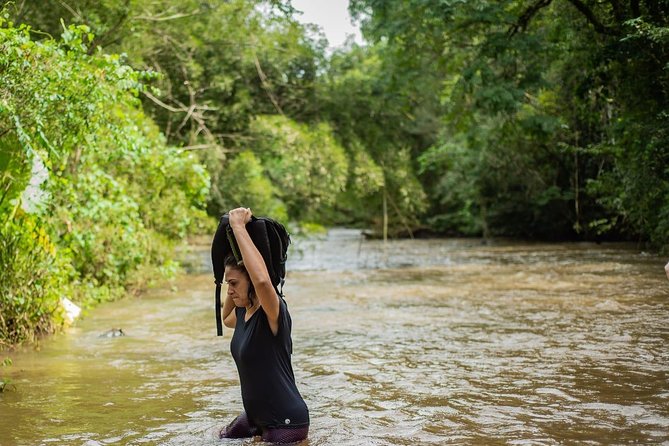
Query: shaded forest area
pixel 136 121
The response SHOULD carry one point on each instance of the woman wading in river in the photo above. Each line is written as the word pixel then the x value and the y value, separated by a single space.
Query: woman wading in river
pixel 261 347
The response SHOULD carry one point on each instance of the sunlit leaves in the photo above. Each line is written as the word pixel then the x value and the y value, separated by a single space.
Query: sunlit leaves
pixel 244 182
pixel 305 163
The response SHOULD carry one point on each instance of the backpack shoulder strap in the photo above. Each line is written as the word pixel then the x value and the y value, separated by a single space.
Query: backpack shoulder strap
pixel 219 247
pixel 279 241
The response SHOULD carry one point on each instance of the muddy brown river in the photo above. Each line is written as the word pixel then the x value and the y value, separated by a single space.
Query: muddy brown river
pixel 426 342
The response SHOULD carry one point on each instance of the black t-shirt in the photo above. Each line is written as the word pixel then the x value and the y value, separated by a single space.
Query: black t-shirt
pixel 269 393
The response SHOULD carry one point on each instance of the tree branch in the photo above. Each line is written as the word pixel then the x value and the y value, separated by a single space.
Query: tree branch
pixel 590 16
pixel 525 17
pixel 74 13
pixel 206 147
pixel 266 86
pixel 164 19
pixel 162 104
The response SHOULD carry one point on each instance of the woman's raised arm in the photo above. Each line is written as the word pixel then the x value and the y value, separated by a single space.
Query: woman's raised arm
pixel 255 266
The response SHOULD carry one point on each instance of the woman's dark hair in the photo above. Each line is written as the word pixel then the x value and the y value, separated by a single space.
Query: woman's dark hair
pixel 231 261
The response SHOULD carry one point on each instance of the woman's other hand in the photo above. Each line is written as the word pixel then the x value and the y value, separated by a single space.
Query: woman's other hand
pixel 666 269
pixel 240 216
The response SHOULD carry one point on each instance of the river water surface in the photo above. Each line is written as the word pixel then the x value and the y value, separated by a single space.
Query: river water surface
pixel 424 342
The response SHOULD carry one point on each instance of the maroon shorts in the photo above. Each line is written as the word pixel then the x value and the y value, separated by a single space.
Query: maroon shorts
pixel 241 427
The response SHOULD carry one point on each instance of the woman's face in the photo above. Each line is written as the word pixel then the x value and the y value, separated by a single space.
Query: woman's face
pixel 238 286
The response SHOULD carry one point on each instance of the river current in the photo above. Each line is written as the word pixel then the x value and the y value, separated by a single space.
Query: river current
pixel 413 342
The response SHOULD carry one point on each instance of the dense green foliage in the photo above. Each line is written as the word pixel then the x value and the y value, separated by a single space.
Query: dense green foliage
pixel 555 119
pixel 113 194
pixel 531 118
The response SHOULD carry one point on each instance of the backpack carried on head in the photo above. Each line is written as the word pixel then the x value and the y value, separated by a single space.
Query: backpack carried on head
pixel 270 238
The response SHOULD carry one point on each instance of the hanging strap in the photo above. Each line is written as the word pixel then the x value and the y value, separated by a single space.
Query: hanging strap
pixel 233 245
pixel 219 321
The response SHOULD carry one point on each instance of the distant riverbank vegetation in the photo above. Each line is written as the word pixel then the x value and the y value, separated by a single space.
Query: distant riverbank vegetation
pixel 126 125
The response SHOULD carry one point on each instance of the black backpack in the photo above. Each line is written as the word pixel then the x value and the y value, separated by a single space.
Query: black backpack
pixel 271 239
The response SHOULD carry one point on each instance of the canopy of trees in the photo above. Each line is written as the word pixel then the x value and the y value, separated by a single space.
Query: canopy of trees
pixel 528 118
pixel 554 113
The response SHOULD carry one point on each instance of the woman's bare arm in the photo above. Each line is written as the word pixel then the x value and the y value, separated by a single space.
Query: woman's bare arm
pixel 255 266
pixel 229 315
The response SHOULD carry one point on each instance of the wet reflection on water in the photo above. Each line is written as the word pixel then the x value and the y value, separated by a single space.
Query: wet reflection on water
pixel 423 342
